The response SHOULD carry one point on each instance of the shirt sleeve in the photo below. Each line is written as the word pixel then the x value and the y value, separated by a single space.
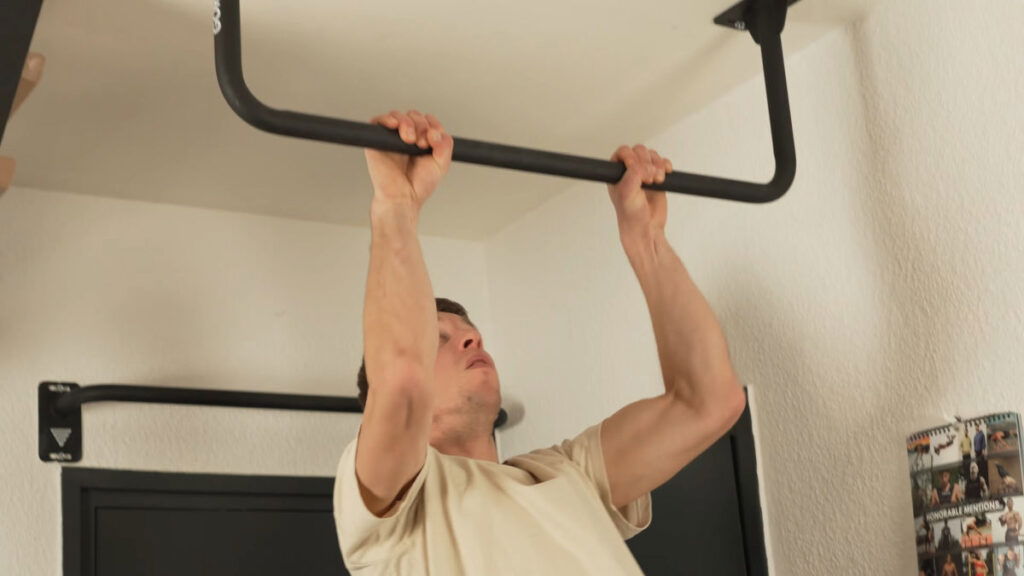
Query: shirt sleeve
pixel 365 538
pixel 586 452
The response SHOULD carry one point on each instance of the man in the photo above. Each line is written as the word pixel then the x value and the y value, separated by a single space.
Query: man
pixel 421 491
pixel 925 538
pixel 965 450
pixel 946 541
pixel 1009 483
pixel 946 493
pixel 949 568
pixel 1012 521
pixel 1009 562
pixel 975 488
pixel 981 450
pixel 997 440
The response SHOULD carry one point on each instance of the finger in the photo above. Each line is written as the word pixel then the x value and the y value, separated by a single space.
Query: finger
pixel 421 128
pixel 442 151
pixel 659 167
pixel 436 132
pixel 647 169
pixel 632 177
pixel 434 123
pixel 406 127
pixel 387 120
pixel 627 156
pixel 621 153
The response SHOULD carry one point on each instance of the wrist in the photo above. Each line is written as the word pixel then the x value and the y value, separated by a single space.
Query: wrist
pixel 641 242
pixel 381 208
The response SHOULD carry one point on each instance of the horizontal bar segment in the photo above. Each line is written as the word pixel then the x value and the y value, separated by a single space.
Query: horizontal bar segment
pixel 74 399
pixel 202 397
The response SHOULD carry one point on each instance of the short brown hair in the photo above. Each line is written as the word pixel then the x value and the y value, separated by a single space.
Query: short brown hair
pixel 443 305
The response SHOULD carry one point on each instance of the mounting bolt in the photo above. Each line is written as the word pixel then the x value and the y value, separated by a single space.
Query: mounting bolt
pixel 739 25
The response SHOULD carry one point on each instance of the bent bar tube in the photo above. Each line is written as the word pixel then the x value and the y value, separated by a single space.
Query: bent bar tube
pixel 18 20
pixel 74 399
pixel 196 396
pixel 228 54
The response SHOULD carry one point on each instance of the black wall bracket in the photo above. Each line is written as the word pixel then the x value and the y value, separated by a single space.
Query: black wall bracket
pixel 60 432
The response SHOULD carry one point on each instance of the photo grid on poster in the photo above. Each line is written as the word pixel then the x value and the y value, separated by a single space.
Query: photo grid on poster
pixel 967 497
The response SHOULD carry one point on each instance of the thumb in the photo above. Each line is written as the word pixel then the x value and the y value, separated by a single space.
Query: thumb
pixel 443 145
pixel 633 177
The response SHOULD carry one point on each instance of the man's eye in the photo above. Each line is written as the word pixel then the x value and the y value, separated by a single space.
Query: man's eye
pixel 444 337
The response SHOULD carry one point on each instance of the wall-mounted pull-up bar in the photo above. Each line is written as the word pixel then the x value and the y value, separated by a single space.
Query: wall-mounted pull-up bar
pixel 60 408
pixel 763 18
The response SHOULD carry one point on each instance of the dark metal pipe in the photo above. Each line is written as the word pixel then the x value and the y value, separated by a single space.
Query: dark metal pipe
pixel 73 400
pixel 228 50
pixel 17 25
pixel 195 396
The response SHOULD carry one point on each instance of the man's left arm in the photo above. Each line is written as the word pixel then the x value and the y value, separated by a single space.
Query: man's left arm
pixel 647 442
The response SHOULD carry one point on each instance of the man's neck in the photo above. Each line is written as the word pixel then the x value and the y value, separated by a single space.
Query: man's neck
pixel 478 447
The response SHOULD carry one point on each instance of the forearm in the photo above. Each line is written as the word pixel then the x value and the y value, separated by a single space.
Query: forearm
pixel 692 349
pixel 399 317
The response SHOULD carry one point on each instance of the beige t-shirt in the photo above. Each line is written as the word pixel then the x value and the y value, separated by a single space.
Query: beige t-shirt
pixel 545 512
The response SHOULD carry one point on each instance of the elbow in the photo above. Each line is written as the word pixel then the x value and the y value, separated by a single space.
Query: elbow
pixel 721 406
pixel 733 405
pixel 726 407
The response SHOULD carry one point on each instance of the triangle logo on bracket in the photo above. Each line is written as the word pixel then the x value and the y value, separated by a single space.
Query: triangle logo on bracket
pixel 61 435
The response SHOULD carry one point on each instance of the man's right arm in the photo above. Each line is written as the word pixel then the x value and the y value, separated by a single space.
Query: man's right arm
pixel 400 333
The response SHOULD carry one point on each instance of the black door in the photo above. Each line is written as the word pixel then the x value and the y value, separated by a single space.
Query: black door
pixel 707 520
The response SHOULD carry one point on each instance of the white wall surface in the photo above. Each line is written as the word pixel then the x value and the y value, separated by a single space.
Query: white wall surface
pixel 883 294
pixel 97 290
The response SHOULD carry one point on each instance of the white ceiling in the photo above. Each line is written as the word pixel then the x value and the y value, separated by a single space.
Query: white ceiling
pixel 129 105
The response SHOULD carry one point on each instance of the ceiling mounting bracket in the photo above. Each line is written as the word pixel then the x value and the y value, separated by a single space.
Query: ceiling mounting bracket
pixel 761 17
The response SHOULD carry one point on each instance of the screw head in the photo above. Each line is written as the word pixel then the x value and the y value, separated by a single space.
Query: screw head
pixel 739 25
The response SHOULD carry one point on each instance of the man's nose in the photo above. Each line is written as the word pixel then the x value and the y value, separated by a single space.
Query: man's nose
pixel 472 341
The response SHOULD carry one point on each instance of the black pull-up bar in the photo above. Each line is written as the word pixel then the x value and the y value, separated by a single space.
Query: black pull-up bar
pixel 200 397
pixel 60 408
pixel 764 18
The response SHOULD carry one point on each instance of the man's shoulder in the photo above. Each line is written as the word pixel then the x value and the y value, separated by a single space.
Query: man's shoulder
pixel 577 456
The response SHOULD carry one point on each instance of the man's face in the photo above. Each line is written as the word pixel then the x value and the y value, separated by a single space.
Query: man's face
pixel 974 471
pixel 464 374
pixel 945 478
pixel 1009 504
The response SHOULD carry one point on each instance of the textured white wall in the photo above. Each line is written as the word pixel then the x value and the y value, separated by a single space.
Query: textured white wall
pixel 882 295
pixel 98 290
